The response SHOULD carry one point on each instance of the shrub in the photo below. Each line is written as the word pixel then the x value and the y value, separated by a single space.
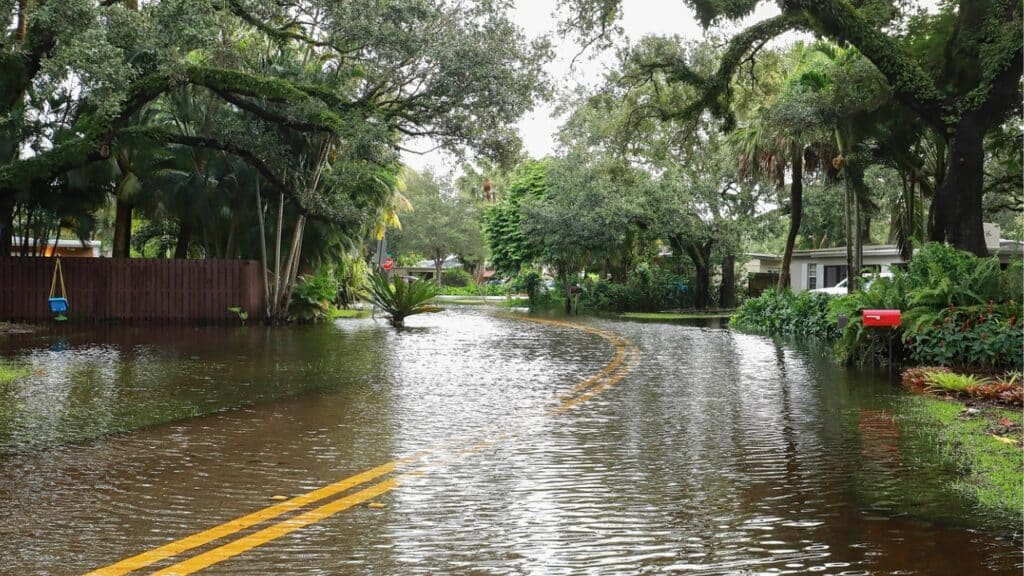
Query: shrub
pixel 647 289
pixel 958 310
pixel 803 315
pixel 604 295
pixel 531 282
pixel 473 290
pixel 351 274
pixel 456 277
pixel 313 296
pixel 968 337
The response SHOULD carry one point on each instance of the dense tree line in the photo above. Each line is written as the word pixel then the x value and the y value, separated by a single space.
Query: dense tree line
pixel 273 129
pixel 244 128
pixel 882 122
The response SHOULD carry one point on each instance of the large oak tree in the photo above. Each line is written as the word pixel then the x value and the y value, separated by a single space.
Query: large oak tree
pixel 958 70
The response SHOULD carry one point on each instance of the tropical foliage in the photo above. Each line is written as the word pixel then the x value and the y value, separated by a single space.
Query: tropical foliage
pixel 803 315
pixel 399 299
pixel 247 128
pixel 958 310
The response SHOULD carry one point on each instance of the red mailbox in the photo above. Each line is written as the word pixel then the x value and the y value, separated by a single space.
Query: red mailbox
pixel 882 318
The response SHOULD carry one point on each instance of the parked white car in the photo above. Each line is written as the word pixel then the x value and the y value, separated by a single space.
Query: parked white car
pixel 840 289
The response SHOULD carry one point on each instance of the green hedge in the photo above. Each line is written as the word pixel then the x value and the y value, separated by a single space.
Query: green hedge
pixel 958 310
pixel 803 315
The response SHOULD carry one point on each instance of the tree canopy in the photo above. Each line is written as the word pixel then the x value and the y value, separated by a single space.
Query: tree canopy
pixel 956 70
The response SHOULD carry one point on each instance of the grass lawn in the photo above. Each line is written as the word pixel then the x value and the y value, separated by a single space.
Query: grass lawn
pixel 349 313
pixel 985 443
pixel 11 372
pixel 674 315
pixel 470 300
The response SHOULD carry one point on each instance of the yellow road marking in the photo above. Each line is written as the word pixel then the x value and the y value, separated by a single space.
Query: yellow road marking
pixel 608 383
pixel 275 531
pixel 225 551
pixel 232 526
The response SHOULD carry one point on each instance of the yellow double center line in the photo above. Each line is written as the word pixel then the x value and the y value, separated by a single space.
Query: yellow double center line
pixel 611 374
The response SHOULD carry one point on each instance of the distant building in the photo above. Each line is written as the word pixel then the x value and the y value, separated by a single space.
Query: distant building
pixel 425 269
pixel 61 247
pixel 761 271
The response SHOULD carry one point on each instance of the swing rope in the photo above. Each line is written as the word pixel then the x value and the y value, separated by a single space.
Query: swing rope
pixel 58 272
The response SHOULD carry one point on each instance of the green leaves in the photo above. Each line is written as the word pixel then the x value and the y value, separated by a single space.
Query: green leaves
pixel 803 315
pixel 399 299
pixel 510 248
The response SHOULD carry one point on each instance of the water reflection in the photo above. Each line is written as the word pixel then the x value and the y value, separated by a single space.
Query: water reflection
pixel 719 453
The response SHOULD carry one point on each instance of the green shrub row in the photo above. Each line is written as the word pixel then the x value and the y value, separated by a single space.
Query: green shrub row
pixel 647 289
pixel 803 315
pixel 474 290
pixel 456 277
pixel 958 310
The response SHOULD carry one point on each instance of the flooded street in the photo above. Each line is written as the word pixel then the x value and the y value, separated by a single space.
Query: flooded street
pixel 496 445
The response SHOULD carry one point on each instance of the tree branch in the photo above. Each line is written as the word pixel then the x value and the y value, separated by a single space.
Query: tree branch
pixel 908 81
pixel 97 133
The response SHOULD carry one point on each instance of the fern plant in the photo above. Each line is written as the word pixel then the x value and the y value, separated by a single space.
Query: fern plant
pixel 952 382
pixel 399 299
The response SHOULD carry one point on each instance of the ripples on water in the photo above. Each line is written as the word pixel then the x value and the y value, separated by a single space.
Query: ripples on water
pixel 720 453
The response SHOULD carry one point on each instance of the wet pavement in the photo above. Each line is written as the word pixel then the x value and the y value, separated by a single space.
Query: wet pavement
pixel 529 448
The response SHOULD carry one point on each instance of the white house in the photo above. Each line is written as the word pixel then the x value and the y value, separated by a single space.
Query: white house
pixel 826 267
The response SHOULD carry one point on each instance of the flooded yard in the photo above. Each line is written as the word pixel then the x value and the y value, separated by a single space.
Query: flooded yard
pixel 500 445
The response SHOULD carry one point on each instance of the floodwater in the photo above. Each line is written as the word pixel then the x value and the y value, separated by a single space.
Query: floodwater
pixel 530 448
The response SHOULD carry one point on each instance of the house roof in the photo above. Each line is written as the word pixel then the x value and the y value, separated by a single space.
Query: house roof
pixel 1006 248
pixel 60 242
pixel 840 251
pixel 449 262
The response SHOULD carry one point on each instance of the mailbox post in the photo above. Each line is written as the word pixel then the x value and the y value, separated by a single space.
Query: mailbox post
pixel 883 319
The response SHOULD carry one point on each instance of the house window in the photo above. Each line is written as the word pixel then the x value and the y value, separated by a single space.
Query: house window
pixel 812 276
pixel 834 275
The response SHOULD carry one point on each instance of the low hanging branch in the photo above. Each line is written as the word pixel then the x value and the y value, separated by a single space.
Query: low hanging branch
pixel 715 89
pixel 96 133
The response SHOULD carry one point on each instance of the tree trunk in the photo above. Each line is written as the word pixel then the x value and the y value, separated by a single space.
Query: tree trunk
pixel 958 216
pixel 263 251
pixel 6 228
pixel 858 241
pixel 230 246
pixel 274 307
pixel 123 230
pixel 701 256
pixel 796 208
pixel 22 26
pixel 563 279
pixel 290 271
pixel 184 238
pixel 727 291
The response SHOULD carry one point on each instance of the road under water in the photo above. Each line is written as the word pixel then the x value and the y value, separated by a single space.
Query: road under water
pixel 529 448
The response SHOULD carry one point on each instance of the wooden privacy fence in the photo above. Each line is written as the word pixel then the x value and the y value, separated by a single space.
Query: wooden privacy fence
pixel 185 291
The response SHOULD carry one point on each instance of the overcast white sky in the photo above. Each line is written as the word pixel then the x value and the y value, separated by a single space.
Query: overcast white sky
pixel 538 129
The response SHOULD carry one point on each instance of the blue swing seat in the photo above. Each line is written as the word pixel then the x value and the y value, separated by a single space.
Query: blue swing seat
pixel 58 305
